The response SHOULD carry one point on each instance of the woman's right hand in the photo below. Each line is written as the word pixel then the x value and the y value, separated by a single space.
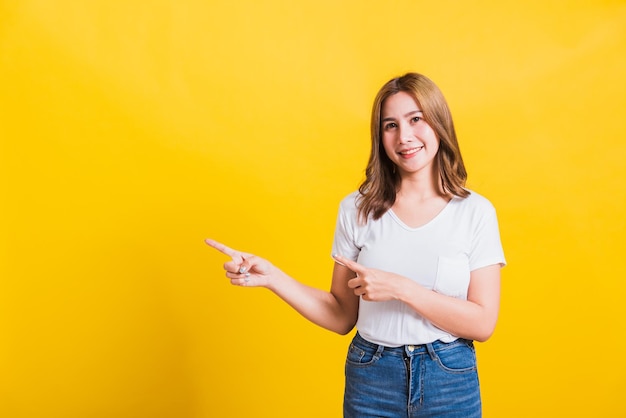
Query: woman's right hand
pixel 244 269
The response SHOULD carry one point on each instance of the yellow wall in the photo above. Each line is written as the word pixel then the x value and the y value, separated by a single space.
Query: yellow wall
pixel 132 130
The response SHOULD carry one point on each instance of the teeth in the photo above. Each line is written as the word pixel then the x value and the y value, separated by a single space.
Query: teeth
pixel 411 151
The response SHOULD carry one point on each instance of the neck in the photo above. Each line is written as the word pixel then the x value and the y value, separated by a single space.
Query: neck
pixel 420 187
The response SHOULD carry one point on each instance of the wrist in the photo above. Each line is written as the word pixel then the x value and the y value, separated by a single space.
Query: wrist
pixel 406 289
pixel 272 277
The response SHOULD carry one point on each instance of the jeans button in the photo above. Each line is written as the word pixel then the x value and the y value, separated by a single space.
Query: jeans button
pixel 411 348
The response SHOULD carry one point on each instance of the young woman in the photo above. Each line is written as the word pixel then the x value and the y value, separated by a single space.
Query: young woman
pixel 417 266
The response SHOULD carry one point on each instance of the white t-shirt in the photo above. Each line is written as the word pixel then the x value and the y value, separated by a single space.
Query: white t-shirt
pixel 439 255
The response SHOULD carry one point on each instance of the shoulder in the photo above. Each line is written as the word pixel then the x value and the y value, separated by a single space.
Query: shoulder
pixel 349 210
pixel 475 206
pixel 350 202
pixel 475 201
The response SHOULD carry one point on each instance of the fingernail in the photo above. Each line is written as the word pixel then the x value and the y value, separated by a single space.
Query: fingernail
pixel 247 275
pixel 242 269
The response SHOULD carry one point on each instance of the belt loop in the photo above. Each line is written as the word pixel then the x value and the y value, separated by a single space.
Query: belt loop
pixel 431 351
pixel 379 351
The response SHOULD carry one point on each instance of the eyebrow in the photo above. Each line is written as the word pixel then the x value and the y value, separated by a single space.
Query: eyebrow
pixel 407 115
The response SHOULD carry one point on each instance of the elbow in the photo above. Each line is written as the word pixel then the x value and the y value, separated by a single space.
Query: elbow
pixel 481 338
pixel 484 333
pixel 343 331
pixel 485 326
pixel 344 328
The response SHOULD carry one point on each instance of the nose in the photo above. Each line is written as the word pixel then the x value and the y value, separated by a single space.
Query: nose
pixel 406 133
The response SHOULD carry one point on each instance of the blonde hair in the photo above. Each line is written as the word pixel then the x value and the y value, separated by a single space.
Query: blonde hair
pixel 378 190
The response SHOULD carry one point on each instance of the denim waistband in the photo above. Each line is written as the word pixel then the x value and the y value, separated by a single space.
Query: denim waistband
pixel 410 348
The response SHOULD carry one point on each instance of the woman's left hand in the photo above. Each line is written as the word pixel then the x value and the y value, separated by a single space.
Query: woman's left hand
pixel 371 284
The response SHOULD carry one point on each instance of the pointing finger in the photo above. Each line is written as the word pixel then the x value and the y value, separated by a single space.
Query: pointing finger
pixel 238 255
pixel 221 247
pixel 352 265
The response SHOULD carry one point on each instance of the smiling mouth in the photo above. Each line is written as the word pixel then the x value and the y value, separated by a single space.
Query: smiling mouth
pixel 411 151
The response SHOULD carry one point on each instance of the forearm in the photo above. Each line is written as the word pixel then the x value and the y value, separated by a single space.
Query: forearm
pixel 462 318
pixel 318 306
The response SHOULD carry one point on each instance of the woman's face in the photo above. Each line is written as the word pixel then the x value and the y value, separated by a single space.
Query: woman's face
pixel 410 143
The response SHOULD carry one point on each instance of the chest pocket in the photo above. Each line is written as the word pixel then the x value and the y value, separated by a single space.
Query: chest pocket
pixel 453 276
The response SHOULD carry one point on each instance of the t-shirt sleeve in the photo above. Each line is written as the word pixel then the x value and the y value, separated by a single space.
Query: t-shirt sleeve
pixel 344 240
pixel 486 244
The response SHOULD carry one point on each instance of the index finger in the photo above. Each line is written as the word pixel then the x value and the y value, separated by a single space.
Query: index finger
pixel 352 265
pixel 222 248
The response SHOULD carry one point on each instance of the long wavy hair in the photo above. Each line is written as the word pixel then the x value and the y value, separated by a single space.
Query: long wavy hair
pixel 378 190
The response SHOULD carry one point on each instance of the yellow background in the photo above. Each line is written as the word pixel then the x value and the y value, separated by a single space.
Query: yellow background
pixel 132 130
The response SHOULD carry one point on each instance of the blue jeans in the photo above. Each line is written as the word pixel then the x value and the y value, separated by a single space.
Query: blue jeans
pixel 429 380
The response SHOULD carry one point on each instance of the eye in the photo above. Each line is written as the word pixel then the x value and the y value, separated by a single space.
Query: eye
pixel 390 125
pixel 415 119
